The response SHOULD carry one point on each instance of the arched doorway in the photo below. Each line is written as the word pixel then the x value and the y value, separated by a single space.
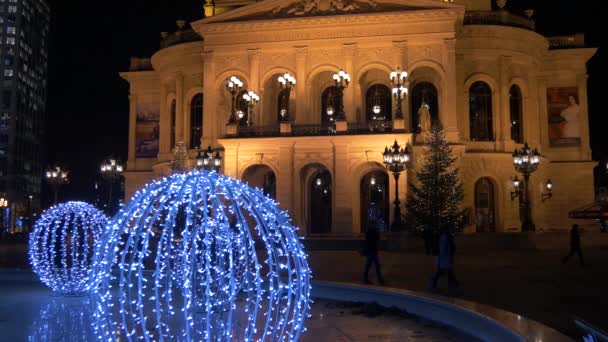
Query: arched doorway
pixel 423 93
pixel 320 194
pixel 262 177
pixel 331 101
pixel 374 200
pixel 485 214
pixel 378 103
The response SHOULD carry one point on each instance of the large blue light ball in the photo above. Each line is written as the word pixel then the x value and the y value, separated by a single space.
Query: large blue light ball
pixel 200 256
pixel 62 245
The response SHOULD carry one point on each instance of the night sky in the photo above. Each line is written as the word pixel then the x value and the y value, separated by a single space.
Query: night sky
pixel 92 41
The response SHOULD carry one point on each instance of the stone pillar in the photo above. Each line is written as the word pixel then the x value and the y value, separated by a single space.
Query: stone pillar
pixel 180 134
pixel 132 131
pixel 503 126
pixel 400 60
pixel 165 125
pixel 231 157
pixel 531 105
pixel 210 117
pixel 285 178
pixel 342 202
pixel 254 79
pixel 583 116
pixel 543 121
pixel 301 97
pixel 448 114
pixel 348 52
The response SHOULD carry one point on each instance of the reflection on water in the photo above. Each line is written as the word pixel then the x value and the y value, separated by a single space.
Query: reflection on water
pixel 63 319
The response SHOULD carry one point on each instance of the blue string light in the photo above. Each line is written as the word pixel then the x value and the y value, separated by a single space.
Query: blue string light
pixel 62 244
pixel 200 256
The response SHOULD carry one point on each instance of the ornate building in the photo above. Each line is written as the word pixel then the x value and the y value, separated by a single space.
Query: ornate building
pixel 486 75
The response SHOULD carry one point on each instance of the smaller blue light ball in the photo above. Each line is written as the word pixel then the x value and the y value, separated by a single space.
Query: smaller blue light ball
pixel 63 243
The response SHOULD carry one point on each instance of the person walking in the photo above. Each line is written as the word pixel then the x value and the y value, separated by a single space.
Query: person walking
pixel 445 259
pixel 372 237
pixel 575 246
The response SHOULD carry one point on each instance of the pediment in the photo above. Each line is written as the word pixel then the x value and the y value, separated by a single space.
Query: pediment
pixel 285 9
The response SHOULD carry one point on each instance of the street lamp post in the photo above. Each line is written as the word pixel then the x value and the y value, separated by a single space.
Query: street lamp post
pixel 207 161
pixel 252 100
pixel 56 178
pixel 341 80
pixel 400 90
pixel 111 171
pixel 396 160
pixel 526 162
pixel 287 83
pixel 234 86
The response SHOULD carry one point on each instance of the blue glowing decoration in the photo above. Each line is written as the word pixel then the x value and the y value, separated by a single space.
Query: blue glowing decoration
pixel 62 245
pixel 201 257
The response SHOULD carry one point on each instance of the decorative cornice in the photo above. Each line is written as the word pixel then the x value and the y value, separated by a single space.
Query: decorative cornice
pixel 254 54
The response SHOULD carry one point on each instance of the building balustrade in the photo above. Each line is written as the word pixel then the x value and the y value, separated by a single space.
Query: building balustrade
pixel 567 42
pixel 503 18
pixel 372 127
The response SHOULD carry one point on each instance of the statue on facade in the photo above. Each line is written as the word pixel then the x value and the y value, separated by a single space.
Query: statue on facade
pixel 424 117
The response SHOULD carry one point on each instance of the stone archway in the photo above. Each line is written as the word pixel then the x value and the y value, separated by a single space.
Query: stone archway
pixel 485 205
pixel 262 177
pixel 374 199
pixel 317 186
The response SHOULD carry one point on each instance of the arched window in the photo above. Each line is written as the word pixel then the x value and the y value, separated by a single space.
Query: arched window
pixel 241 108
pixel 283 103
pixel 480 112
pixel 423 93
pixel 330 100
pixel 517 127
pixel 196 121
pixel 173 114
pixel 379 104
pixel 485 216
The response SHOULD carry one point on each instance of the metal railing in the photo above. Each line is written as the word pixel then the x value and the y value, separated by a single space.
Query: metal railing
pixel 179 37
pixel 258 131
pixel 567 42
pixel 374 127
pixel 503 18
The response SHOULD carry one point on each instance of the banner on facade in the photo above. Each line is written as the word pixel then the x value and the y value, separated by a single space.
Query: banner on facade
pixel 147 133
pixel 564 117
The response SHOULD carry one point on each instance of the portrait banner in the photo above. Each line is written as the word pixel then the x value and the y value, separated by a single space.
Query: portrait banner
pixel 564 117
pixel 147 132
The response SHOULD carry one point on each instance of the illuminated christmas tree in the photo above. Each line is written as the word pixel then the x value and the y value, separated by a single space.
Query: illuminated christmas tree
pixel 435 199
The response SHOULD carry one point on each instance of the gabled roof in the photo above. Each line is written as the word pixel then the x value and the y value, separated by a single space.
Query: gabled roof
pixel 284 9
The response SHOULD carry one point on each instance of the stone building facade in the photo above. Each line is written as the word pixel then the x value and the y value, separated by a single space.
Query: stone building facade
pixel 486 75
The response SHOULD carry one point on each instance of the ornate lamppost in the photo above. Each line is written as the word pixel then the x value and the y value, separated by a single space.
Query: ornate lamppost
pixel 234 86
pixel 111 171
pixel 206 160
pixel 252 100
pixel 287 83
pixel 400 90
pixel 396 160
pixel 56 178
pixel 342 80
pixel 526 162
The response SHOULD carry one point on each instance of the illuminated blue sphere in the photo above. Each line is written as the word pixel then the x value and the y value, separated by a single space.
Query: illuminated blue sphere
pixel 200 256
pixel 62 245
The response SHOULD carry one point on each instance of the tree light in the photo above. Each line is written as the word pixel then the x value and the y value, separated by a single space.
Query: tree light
pixel 201 257
pixel 62 245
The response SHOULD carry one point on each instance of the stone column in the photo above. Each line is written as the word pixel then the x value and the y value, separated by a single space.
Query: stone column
pixel 583 116
pixel 542 120
pixel 165 125
pixel 132 131
pixel 503 126
pixel 348 52
pixel 254 79
pixel 210 117
pixel 448 114
pixel 342 203
pixel 285 178
pixel 180 134
pixel 302 105
pixel 400 60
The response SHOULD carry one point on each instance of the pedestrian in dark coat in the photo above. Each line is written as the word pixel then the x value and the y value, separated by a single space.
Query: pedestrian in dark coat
pixel 445 259
pixel 575 245
pixel 372 238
